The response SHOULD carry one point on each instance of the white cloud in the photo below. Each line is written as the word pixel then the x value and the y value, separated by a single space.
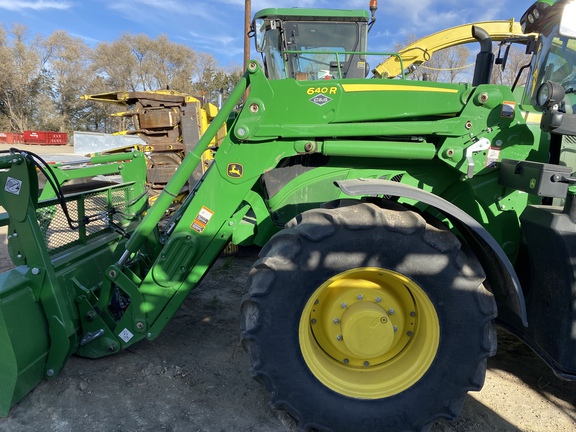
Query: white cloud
pixel 19 5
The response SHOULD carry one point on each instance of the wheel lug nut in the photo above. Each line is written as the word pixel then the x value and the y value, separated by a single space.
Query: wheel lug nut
pixel 409 334
pixel 336 321
pixel 395 329
pixel 359 296
pixel 313 320
pixel 346 361
pixel 412 314
pixel 366 364
pixel 391 311
pixel 344 305
pixel 378 299
pixel 339 337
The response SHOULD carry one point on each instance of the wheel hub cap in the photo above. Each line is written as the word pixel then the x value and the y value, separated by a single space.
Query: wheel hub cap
pixel 369 333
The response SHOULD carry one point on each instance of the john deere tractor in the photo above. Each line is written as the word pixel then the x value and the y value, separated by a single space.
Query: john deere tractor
pixel 398 220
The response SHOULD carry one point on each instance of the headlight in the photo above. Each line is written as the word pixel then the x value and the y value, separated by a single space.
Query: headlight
pixel 549 94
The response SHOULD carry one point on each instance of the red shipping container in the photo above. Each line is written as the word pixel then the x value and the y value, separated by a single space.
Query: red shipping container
pixel 45 138
pixel 11 137
pixel 56 138
pixel 34 137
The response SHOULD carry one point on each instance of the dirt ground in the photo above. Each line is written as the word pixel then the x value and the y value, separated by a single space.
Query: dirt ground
pixel 195 377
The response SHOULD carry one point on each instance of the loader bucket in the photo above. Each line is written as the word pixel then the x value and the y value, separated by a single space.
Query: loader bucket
pixel 24 338
pixel 60 248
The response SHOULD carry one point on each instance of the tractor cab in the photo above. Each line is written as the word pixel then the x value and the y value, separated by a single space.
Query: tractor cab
pixel 312 44
pixel 553 83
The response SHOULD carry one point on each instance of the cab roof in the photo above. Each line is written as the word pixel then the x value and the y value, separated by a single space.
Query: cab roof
pixel 306 14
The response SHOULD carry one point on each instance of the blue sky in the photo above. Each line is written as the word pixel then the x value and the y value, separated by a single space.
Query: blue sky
pixel 216 26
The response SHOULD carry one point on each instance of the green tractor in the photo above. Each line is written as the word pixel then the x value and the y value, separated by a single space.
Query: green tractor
pixel 398 220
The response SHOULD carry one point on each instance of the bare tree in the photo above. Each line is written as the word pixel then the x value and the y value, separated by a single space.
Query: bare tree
pixel 138 63
pixel 24 80
pixel 42 79
pixel 68 65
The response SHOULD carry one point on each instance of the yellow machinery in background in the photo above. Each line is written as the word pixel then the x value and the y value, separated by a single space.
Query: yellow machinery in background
pixel 170 123
pixel 422 50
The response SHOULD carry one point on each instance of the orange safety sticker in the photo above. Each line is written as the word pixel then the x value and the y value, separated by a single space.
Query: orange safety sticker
pixel 202 219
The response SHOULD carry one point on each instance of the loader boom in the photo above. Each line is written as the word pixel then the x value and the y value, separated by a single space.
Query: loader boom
pixel 398 221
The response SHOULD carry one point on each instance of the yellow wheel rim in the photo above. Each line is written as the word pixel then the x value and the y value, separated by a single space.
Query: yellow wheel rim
pixel 369 333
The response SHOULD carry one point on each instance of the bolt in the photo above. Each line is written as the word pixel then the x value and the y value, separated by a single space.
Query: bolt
pixel 395 329
pixel 412 314
pixel 50 372
pixel 254 108
pixel 336 321
pixel 409 334
pixel 241 132
pixel 230 223
pixel 366 364
pixel 90 316
pixel 309 147
pixel 499 143
pixel 391 311
pixel 35 271
pixel 316 301
pixel 359 296
pixel 111 348
pixel 252 66
pixel 339 337
pixel 139 325
pixel 19 256
pixel 15 234
pixel 378 299
pixel 149 335
pixel 468 125
pixel 344 305
pixel 112 273
pixel 313 320
pixel 346 361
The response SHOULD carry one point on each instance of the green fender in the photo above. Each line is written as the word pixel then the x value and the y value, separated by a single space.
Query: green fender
pixel 366 187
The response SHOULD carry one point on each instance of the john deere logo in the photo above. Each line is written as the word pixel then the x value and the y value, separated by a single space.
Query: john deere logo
pixel 235 170
pixel 320 99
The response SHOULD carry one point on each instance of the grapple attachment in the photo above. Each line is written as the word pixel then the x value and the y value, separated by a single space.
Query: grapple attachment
pixel 59 246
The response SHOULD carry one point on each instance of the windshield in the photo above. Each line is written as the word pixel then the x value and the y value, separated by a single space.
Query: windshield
pixel 315 50
pixel 556 61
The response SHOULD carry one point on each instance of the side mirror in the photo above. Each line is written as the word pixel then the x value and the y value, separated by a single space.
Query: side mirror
pixel 501 59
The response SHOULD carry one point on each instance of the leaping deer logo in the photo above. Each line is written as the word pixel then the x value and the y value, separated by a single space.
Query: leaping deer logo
pixel 235 170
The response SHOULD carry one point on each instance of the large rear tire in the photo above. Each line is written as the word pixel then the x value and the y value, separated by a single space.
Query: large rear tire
pixel 360 318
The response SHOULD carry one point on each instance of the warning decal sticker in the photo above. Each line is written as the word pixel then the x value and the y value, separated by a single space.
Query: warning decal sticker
pixel 126 335
pixel 492 157
pixel 13 186
pixel 202 219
